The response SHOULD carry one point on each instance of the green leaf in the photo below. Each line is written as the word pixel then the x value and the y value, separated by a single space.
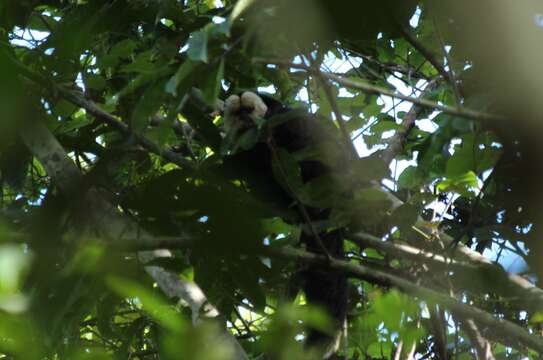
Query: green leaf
pixel 143 79
pixel 212 84
pixel 14 265
pixel 154 306
pixel 459 164
pixel 143 64
pixel 149 103
pixel 370 168
pixel 410 178
pixel 372 110
pixel 121 50
pixel 182 77
pixel 41 22
pixel 319 192
pixel 198 46
pixel 405 216
pixel 463 159
pixel 487 158
pixel 385 125
pixel 286 170
pixel 94 81
pixel 355 123
pixel 64 108
pixel 371 195
pixel 463 184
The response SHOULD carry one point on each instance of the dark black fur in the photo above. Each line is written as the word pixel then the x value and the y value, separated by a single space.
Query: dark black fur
pixel 322 286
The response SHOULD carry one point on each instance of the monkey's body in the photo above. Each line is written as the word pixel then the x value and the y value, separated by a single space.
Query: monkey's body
pixel 322 286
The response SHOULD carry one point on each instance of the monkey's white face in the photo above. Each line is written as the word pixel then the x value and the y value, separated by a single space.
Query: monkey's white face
pixel 241 120
pixel 237 109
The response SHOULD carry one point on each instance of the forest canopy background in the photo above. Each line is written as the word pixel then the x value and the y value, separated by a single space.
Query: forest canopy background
pixel 119 238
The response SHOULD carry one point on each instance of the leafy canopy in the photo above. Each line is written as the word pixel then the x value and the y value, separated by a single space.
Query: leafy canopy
pixel 127 232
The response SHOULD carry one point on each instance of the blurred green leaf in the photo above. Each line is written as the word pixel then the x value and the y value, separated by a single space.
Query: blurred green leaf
pixel 155 306
pixel 286 170
pixel 198 46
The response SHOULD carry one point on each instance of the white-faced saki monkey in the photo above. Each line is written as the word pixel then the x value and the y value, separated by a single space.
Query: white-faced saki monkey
pixel 295 133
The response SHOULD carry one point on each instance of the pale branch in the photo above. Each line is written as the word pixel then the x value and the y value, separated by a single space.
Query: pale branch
pixel 372 89
pixel 438 326
pixel 506 330
pixel 397 354
pixel 505 284
pixel 105 219
pixel 482 345
pixel 397 142
pixel 408 252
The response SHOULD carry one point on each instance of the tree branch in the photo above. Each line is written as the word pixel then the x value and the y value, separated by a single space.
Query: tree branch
pixel 447 75
pixel 504 283
pixel 371 89
pixel 100 114
pixel 505 329
pixel 397 142
pixel 482 346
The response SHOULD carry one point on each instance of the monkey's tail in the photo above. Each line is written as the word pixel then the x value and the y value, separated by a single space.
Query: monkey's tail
pixel 327 289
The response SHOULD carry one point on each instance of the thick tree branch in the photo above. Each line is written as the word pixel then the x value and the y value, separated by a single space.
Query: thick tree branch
pixel 504 284
pixel 505 329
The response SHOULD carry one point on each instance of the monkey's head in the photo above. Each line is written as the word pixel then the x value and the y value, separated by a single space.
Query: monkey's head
pixel 243 111
pixel 243 116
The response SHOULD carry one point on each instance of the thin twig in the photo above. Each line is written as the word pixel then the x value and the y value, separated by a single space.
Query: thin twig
pixel 339 117
pixel 452 76
pixel 396 143
pixel 428 55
